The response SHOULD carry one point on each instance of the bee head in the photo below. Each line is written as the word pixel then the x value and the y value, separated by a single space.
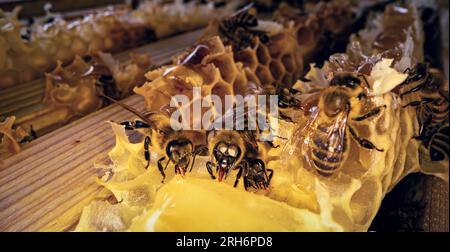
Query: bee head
pixel 180 153
pixel 226 155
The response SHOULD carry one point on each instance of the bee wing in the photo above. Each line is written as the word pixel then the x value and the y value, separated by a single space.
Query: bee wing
pixel 253 89
pixel 299 135
pixel 248 118
pixel 335 133
pixel 331 135
pixel 244 10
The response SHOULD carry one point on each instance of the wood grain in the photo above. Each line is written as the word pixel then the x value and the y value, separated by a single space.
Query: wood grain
pixel 45 187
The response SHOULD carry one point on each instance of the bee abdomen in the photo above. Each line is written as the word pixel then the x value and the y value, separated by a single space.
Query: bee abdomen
pixel 433 114
pixel 439 113
pixel 326 156
pixel 326 163
pixel 323 142
pixel 325 169
pixel 439 146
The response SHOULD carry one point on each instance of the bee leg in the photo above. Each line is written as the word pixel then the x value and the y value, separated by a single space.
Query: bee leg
pixel 147 144
pixel 246 183
pixel 141 125
pixel 199 150
pixel 269 178
pixel 415 104
pixel 426 130
pixel 135 125
pixel 286 118
pixel 242 166
pixel 239 175
pixel 414 90
pixel 128 125
pixel 372 113
pixel 363 142
pixel 193 161
pixel 253 185
pixel 208 166
pixel 161 168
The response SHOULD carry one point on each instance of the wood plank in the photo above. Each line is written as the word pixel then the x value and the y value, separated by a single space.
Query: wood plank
pixel 46 186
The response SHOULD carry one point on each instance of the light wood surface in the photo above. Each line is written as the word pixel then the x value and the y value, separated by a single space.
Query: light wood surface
pixel 45 187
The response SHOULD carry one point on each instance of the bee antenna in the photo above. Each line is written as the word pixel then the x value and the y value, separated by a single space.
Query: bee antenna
pixel 246 7
pixel 128 108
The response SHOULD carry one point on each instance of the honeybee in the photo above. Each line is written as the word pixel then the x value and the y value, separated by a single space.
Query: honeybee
pixel 424 90
pixel 233 150
pixel 238 28
pixel 288 102
pixel 175 147
pixel 239 150
pixel 253 169
pixel 325 138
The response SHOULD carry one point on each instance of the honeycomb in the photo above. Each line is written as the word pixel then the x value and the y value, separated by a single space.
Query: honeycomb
pixel 8 139
pixel 72 91
pixel 126 75
pixel 294 38
pixel 11 136
pixel 217 73
pixel 310 30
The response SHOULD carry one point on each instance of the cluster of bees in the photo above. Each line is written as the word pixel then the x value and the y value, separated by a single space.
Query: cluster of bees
pixel 424 89
pixel 328 113
pixel 328 145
